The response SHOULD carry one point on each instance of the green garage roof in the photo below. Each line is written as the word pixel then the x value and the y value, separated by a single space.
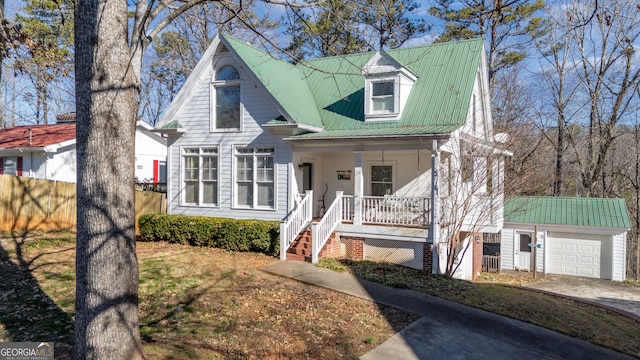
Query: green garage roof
pixel 592 212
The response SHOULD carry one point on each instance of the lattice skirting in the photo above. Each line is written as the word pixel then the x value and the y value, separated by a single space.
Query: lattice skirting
pixel 405 253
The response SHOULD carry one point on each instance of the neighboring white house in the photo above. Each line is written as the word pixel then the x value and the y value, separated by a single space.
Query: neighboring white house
pixel 49 151
pixel 348 139
pixel 151 155
pixel 575 236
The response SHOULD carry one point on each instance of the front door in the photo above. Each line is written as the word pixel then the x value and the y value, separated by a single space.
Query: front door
pixel 307 176
pixel 523 252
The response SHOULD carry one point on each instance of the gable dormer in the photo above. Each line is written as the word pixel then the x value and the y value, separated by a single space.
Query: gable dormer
pixel 387 87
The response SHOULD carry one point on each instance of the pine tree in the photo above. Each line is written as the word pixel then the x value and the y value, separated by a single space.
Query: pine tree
pixel 47 47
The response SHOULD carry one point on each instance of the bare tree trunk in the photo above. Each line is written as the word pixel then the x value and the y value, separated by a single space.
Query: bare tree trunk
pixel 2 116
pixel 557 183
pixel 106 324
pixel 41 99
pixel 42 95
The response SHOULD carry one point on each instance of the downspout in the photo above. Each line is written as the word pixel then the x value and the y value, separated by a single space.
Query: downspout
pixel 434 234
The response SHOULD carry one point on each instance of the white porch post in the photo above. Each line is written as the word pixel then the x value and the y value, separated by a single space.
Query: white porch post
pixel 358 190
pixel 293 189
pixel 434 232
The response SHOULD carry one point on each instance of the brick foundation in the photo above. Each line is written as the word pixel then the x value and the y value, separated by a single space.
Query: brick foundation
pixel 427 257
pixel 358 248
pixel 355 247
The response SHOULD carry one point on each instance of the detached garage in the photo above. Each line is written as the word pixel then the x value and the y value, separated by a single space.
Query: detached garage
pixel 575 236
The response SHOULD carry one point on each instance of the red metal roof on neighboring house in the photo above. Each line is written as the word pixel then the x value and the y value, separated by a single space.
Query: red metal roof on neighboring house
pixel 41 135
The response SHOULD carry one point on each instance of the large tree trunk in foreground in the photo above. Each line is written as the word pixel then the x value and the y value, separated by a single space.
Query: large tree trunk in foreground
pixel 106 324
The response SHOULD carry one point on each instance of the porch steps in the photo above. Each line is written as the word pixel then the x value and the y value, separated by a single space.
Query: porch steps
pixel 300 249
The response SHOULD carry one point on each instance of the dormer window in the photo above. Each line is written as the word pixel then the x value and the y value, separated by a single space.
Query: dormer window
pixel 387 88
pixel 225 99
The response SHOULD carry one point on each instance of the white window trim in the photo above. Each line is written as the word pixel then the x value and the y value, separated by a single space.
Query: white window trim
pixel 394 174
pixel 212 95
pixel 200 204
pixel 370 114
pixel 234 192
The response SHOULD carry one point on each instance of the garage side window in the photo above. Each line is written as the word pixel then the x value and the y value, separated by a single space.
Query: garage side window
pixel 525 239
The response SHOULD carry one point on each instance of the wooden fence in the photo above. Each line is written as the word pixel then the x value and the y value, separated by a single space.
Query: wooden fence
pixel 29 204
pixel 490 263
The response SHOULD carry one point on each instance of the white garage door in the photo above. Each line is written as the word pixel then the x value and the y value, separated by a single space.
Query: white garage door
pixel 584 255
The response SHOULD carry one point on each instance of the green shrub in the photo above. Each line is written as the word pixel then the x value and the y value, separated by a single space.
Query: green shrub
pixel 231 234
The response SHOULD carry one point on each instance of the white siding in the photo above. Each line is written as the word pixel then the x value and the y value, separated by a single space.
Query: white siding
pixel 618 257
pixel 476 111
pixel 33 165
pixel 61 166
pixel 506 249
pixel 540 260
pixel 194 115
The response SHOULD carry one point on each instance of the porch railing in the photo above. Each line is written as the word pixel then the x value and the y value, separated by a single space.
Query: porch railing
pixel 299 218
pixel 322 230
pixel 396 210
pixel 347 207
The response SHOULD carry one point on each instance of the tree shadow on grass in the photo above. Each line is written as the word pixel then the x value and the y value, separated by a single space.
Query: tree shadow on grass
pixel 27 313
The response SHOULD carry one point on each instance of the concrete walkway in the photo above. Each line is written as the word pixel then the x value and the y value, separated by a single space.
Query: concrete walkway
pixel 611 294
pixel 447 330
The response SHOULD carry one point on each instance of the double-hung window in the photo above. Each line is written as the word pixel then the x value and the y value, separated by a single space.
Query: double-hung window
pixel 255 177
pixel 226 99
pixel 200 167
pixel 383 97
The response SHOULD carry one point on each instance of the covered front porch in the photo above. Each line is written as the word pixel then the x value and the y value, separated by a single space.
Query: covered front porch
pixel 380 192
pixel 368 179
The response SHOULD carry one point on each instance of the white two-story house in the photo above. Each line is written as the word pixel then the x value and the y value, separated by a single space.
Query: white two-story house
pixel 386 155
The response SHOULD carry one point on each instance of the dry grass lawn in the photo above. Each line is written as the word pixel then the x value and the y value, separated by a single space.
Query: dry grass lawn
pixel 195 303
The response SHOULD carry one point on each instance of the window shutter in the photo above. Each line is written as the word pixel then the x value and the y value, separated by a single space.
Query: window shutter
pixel 1 165
pixel 155 172
pixel 19 166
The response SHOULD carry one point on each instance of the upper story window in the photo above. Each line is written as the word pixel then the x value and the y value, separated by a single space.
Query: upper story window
pixel 383 97
pixel 387 87
pixel 226 99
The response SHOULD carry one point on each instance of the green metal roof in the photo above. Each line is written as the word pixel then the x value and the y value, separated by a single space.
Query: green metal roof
pixel 329 92
pixel 175 124
pixel 592 212
pixel 283 81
